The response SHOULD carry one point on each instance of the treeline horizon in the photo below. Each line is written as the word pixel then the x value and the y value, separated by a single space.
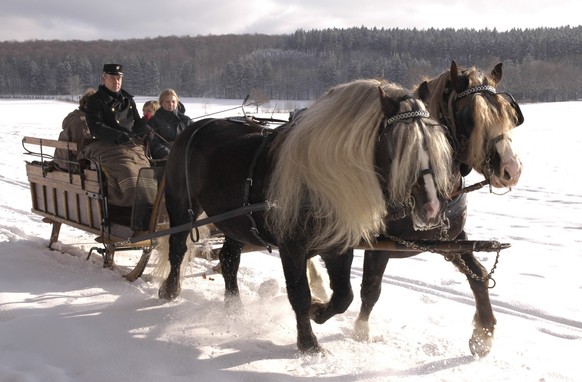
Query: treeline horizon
pixel 539 65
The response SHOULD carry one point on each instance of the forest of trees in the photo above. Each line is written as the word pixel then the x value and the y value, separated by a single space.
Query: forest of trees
pixel 540 65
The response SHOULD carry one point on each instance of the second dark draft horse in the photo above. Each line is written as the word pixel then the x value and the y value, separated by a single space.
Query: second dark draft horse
pixel 328 180
pixel 479 120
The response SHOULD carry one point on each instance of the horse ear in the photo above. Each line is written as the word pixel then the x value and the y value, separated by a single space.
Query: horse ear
pixel 389 106
pixel 454 70
pixel 423 92
pixel 459 83
pixel 496 73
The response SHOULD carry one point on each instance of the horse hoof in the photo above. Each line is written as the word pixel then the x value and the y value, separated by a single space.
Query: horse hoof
pixel 313 351
pixel 361 331
pixel 233 304
pixel 166 294
pixel 481 342
pixel 308 345
pixel 319 311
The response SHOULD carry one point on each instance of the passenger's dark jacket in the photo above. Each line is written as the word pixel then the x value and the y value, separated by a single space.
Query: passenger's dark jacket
pixel 114 118
pixel 165 127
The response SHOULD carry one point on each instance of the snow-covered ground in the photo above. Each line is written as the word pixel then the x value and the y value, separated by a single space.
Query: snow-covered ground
pixel 65 319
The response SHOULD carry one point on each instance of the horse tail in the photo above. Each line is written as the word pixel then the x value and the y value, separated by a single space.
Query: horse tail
pixel 317 280
pixel 202 248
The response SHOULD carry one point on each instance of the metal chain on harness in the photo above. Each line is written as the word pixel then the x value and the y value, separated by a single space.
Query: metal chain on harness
pixel 456 259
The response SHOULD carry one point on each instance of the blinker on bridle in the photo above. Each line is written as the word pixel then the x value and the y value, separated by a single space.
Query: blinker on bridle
pixel 491 90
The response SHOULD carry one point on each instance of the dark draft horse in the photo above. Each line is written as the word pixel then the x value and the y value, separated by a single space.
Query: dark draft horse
pixel 328 178
pixel 479 121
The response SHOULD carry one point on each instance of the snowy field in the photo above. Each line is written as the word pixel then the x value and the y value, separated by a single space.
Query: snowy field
pixel 64 319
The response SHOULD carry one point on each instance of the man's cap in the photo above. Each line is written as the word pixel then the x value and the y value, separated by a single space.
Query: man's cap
pixel 113 69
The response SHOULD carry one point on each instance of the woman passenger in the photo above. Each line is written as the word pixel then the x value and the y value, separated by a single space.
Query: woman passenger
pixel 166 124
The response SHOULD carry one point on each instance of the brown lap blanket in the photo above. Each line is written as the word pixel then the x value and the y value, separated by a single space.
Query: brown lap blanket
pixel 121 165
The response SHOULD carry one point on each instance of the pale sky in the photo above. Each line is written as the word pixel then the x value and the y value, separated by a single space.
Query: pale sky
pixel 22 20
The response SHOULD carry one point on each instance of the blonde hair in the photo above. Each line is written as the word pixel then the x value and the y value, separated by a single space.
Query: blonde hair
pixel 168 92
pixel 152 104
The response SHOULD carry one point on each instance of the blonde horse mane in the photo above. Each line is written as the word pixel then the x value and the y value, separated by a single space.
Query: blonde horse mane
pixel 327 160
pixel 406 167
pixel 489 121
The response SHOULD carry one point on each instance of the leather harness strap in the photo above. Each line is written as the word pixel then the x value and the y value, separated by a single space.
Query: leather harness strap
pixel 249 184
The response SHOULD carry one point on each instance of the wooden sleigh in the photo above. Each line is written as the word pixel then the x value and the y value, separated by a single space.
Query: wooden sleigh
pixel 78 198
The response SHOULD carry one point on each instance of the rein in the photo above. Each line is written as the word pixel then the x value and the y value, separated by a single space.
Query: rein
pixel 474 187
pixel 255 207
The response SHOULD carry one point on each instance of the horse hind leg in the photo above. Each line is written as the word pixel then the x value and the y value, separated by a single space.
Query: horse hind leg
pixel 484 320
pixel 171 288
pixel 229 262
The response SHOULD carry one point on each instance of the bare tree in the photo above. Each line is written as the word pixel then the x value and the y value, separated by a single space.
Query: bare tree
pixel 258 97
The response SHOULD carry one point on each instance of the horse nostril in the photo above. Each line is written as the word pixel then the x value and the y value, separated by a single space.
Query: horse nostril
pixel 506 175
pixel 431 210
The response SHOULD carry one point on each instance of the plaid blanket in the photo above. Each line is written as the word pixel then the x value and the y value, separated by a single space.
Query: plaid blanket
pixel 121 165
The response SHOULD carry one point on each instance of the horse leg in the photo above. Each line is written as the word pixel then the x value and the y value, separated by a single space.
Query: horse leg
pixel 294 268
pixel 170 288
pixel 484 321
pixel 338 269
pixel 374 266
pixel 229 262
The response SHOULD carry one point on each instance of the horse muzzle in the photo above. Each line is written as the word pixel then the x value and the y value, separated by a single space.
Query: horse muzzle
pixel 428 216
pixel 508 175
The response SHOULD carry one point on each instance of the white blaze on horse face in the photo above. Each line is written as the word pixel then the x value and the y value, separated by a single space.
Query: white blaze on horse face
pixel 510 165
pixel 432 206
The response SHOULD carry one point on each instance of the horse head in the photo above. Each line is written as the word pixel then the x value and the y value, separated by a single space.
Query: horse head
pixel 482 119
pixel 419 157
